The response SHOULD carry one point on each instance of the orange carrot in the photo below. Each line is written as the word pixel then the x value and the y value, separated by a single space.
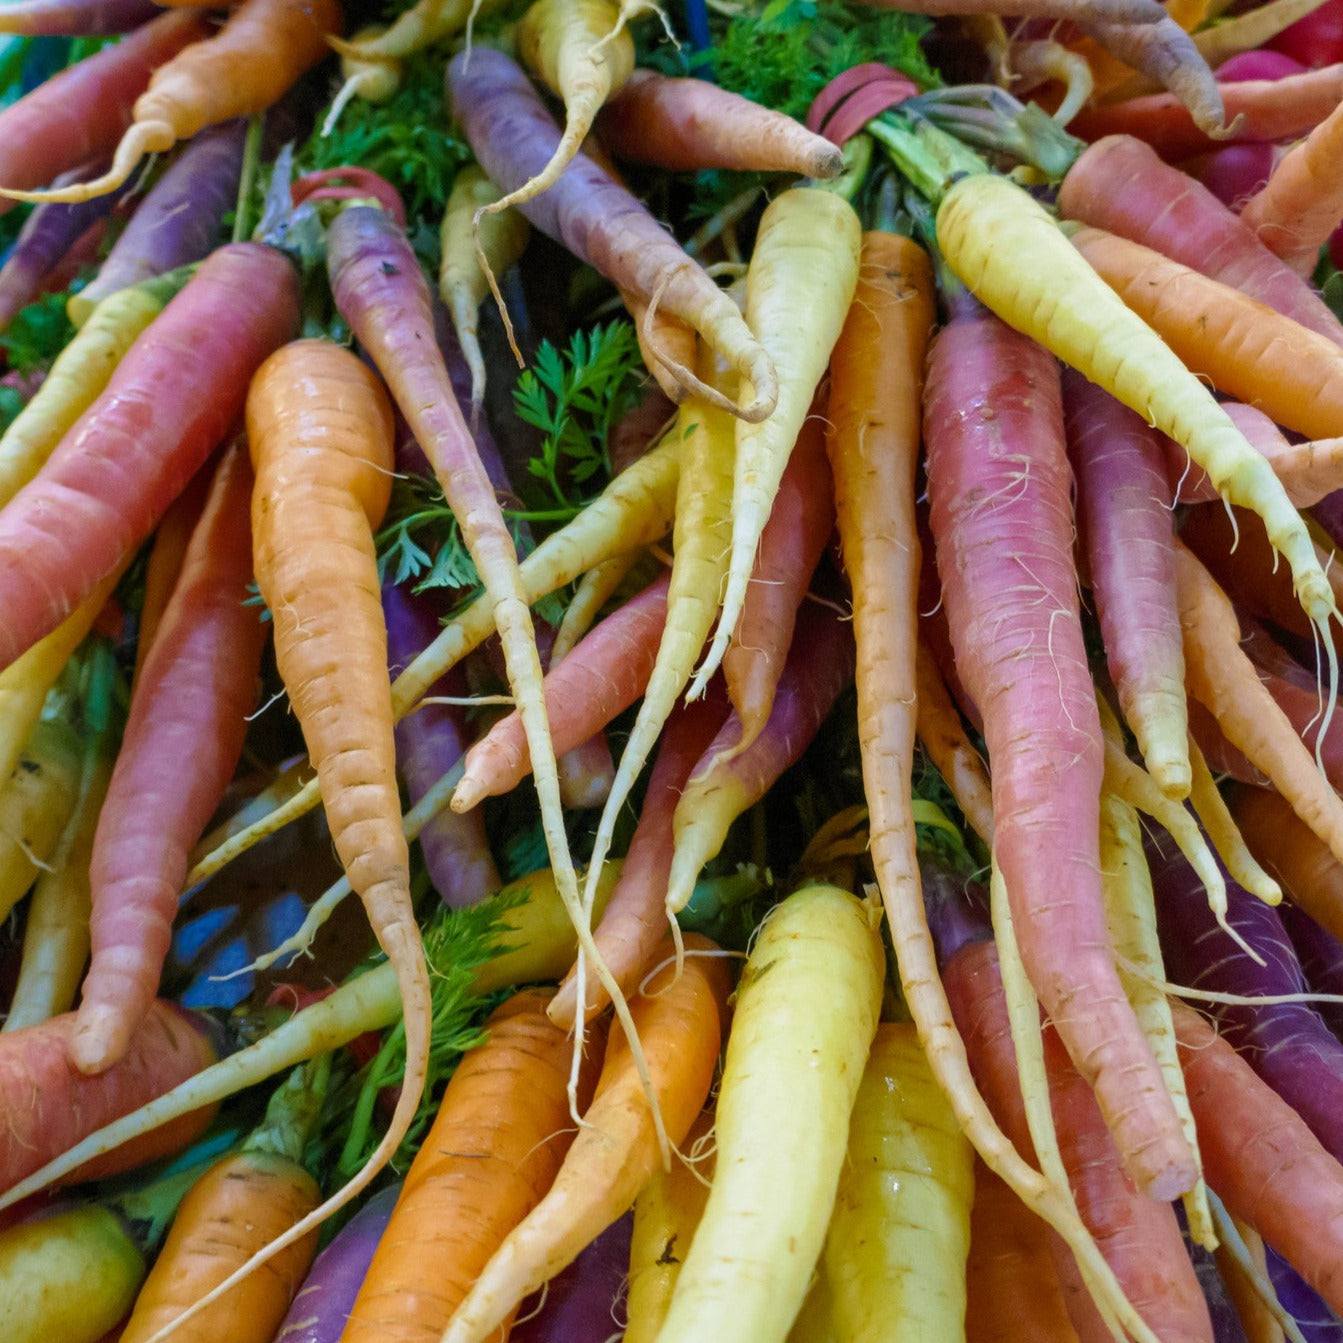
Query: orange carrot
pixel 501 1133
pixel 943 736
pixel 680 1020
pixel 261 51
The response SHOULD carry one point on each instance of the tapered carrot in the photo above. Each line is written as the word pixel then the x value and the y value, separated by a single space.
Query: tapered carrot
pixel 132 452
pixel 685 125
pixel 493 1150
pixel 635 919
pixel 182 743
pixel 1244 348
pixel 80 113
pixel 805 260
pixel 263 48
pixel 424 23
pixel 601 677
pixel 1125 507
pixel 943 736
pixel 1044 61
pixel 680 1019
pixel 665 343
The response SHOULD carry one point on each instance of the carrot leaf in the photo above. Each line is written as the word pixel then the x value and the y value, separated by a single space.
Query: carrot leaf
pixel 38 333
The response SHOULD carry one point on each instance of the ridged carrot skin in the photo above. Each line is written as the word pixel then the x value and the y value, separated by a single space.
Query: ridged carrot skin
pixel 171 401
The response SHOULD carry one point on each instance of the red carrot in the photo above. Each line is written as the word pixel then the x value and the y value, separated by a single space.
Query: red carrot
pixel 80 113
pixel 1122 186
pixel 1000 491
pixel 182 743
pixel 171 400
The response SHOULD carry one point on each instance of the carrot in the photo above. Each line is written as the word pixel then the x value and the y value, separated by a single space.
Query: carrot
pixel 1216 819
pixel 118 468
pixel 79 114
pixel 895 1254
pixel 820 665
pixel 1262 1159
pixel 665 343
pixel 1013 1292
pixel 1222 678
pixel 1121 11
pixel 632 512
pixel 805 260
pixel 1310 874
pixel 600 678
pixel 635 918
pixel 237 1206
pixel 369 80
pixel 943 737
pixel 420 26
pixel 685 125
pixel 164 566
pixel 1125 507
pixel 76 18
pixel 493 1151
pixel 263 49
pixel 79 374
pixel 985 220
pixel 679 1017
pixel 461 279
pixel 1255 1315
pixel 805 1015
pixel 1120 184
pixel 1271 110
pixel 50 1107
pixel 1243 347
pixel 1047 62
pixel 999 484
pixel 513 137
pixel 182 742
pixel 1300 206
pixel 791 545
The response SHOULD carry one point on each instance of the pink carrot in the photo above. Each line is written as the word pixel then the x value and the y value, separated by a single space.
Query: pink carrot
pixel 605 674
pixel 75 18
pixel 1125 509
pixel 1122 186
pixel 635 920
pixel 1000 490
pixel 171 401
pixel 182 743
pixel 80 113
pixel 799 525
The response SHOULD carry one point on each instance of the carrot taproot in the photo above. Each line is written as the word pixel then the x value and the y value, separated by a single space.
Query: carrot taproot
pixel 1125 508
pixel 80 113
pixel 131 453
pixel 820 664
pixel 1245 348
pixel 76 18
pixel 420 26
pixel 461 279
pixel 77 377
pixel 805 1015
pixel 1310 874
pixel 1012 1289
pixel 1000 490
pixel 262 49
pixel 987 226
pixel 370 80
pixel 594 590
pixel 805 260
pixel 1221 677
pixel 943 736
pixel 1270 110
pixel 50 1106
pixel 895 1253
pixel 1044 61
pixel 1121 185
pixel 632 512
pixel 493 1151
pixel 635 921
pixel 680 1018
pixel 665 343
pixel 237 1205
pixel 1217 821
pixel 182 742
pixel 1265 1163
pixel 686 125
pixel 513 137
pixel 164 566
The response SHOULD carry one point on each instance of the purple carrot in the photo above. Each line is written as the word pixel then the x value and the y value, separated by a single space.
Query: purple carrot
pixel 1287 1044
pixel 47 236
pixel 323 1303
pixel 1226 1325
pixel 1302 1302
pixel 1125 505
pixel 428 743
pixel 1321 957
pixel 583 1300
pixel 75 18
pixel 178 221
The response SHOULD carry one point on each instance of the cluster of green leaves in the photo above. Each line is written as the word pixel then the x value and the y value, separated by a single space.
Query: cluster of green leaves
pixel 38 333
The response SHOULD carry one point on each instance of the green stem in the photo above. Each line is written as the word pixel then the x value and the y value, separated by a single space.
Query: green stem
pixel 930 158
pixel 251 157
pixel 857 161
pixel 293 1111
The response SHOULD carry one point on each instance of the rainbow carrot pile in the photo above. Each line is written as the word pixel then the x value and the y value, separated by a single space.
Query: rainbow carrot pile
pixel 799 591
